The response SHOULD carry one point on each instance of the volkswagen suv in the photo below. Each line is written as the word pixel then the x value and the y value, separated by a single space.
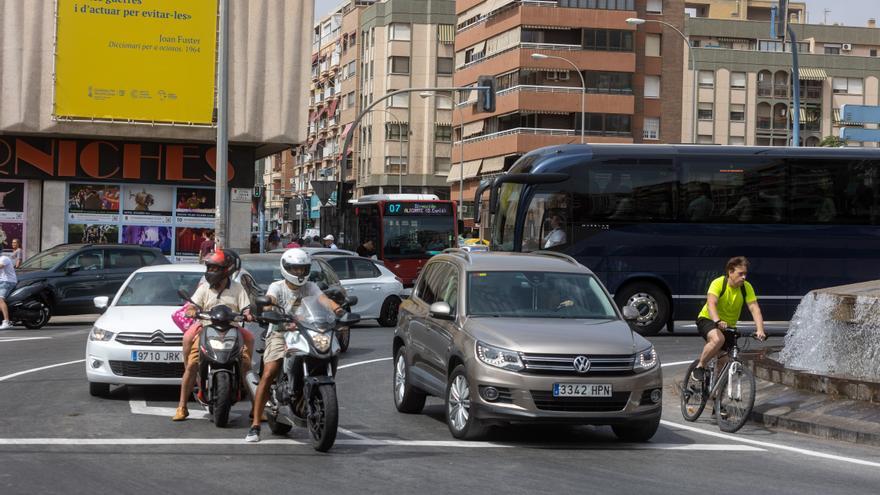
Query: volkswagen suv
pixel 514 337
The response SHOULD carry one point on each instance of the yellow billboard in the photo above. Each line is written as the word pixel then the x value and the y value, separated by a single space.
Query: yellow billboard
pixel 143 60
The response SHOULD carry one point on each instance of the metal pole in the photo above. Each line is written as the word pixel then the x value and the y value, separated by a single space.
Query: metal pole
pixel 222 133
pixel 460 165
pixel 400 156
pixel 796 82
pixel 262 219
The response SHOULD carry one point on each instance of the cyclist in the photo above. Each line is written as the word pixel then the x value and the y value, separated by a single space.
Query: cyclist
pixel 724 302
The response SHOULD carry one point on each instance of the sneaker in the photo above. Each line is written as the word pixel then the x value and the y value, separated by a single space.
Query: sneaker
pixel 253 434
pixel 6 324
pixel 698 375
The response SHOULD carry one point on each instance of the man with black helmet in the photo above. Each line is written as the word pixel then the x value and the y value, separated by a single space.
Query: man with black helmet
pixel 287 293
pixel 219 289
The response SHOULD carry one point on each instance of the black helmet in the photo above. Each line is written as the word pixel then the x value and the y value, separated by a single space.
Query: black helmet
pixel 220 265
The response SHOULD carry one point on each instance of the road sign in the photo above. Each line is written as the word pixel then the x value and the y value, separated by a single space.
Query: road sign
pixel 860 134
pixel 241 195
pixel 324 189
pixel 865 114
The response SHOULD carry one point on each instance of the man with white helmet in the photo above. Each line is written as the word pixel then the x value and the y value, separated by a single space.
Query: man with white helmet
pixel 287 293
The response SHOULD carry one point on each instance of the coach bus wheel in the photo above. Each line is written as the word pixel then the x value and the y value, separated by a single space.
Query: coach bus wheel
pixel 652 304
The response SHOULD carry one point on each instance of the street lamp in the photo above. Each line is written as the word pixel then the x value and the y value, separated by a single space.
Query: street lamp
pixel 635 21
pixel 399 148
pixel 429 94
pixel 541 56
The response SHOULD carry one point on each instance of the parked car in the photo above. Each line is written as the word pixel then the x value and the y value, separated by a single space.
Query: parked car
pixel 66 278
pixel 514 337
pixel 378 289
pixel 135 341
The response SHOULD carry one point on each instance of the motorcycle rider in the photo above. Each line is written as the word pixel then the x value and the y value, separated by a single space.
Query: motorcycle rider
pixel 219 289
pixel 286 293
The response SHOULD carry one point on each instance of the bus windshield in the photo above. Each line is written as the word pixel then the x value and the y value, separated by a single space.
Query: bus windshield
pixel 413 236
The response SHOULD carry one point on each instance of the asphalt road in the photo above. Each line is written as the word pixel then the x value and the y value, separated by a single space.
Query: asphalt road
pixel 55 438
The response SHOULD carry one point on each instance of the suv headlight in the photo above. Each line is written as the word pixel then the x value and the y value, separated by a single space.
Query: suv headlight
pixel 645 360
pixel 500 358
pixel 100 334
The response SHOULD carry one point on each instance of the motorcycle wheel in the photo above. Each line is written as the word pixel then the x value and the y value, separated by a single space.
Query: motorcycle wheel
pixel 344 338
pixel 40 321
pixel 222 400
pixel 323 418
pixel 274 425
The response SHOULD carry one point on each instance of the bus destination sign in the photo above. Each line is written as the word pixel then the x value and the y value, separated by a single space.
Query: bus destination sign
pixel 418 208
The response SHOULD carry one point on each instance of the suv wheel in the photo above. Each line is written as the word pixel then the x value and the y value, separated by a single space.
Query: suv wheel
pixel 462 423
pixel 637 431
pixel 407 399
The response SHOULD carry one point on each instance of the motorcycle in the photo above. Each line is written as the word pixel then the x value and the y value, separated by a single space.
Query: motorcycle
pixel 220 360
pixel 343 334
pixel 27 306
pixel 308 370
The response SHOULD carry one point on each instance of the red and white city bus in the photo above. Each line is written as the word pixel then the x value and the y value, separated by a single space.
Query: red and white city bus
pixel 406 229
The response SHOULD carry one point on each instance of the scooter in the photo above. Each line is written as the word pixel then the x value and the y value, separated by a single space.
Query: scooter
pixel 220 360
pixel 308 370
pixel 27 307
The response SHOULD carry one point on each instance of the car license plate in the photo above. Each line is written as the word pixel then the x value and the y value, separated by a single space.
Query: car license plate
pixel 156 356
pixel 581 390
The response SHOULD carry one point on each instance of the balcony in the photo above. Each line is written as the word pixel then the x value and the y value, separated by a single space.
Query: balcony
pixel 521 140
pixel 780 91
pixel 765 90
pixel 811 92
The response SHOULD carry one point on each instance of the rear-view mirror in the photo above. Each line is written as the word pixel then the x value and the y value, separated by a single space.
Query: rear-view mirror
pixel 101 302
pixel 349 319
pixel 73 269
pixel 630 313
pixel 441 310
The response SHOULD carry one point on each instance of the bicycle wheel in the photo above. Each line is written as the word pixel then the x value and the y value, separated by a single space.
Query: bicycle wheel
pixel 734 400
pixel 693 395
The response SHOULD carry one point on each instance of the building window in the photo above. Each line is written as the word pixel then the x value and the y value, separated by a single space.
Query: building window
pixel 737 113
pixel 443 133
pixel 873 52
pixel 704 111
pixel 445 65
pixel 398 101
pixel 704 139
pixel 598 4
pixel 652 86
pixel 396 131
pixel 608 40
pixel 395 165
pixel 609 82
pixel 707 78
pixel 505 81
pixel 599 124
pixel 651 128
pixel 652 45
pixel 557 75
pixel 654 6
pixel 442 165
pixel 849 86
pixel 349 100
pixel 443 102
pixel 398 65
pixel 736 141
pixel 832 49
pixel 399 32
pixel 737 79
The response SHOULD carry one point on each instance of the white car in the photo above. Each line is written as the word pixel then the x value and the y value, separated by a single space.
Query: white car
pixel 135 342
pixel 377 288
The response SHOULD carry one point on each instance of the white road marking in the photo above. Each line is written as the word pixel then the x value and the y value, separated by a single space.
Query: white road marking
pixel 677 363
pixel 349 365
pixel 139 406
pixel 34 370
pixel 19 339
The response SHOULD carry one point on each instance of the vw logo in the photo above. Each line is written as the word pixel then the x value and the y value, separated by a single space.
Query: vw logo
pixel 581 364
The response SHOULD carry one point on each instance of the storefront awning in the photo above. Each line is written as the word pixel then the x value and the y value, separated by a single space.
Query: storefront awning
pixel 494 164
pixel 811 74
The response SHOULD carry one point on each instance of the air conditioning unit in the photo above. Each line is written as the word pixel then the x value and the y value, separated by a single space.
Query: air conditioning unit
pixel 847 47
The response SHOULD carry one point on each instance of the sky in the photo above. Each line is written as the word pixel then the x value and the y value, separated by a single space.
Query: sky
pixel 848 12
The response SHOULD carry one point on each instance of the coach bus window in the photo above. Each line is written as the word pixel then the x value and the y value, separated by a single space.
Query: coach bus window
pixel 505 222
pixel 546 223
pixel 743 191
pixel 630 192
pixel 834 192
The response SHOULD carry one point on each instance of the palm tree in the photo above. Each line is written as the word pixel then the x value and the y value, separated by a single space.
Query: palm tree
pixel 832 142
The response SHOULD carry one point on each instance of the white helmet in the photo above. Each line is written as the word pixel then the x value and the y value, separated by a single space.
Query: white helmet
pixel 295 266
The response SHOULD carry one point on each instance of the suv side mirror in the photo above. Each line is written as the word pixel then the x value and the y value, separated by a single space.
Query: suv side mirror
pixel 441 310
pixel 73 269
pixel 101 302
pixel 630 313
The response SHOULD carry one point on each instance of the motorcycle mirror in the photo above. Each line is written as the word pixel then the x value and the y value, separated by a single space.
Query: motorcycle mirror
pixel 272 316
pixel 349 319
pixel 263 301
pixel 323 285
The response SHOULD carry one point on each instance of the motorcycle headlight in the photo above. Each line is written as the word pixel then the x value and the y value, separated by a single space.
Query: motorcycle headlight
pixel 500 358
pixel 100 334
pixel 645 360
pixel 221 345
pixel 322 342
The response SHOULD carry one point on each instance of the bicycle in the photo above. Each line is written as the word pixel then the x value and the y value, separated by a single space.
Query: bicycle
pixel 733 389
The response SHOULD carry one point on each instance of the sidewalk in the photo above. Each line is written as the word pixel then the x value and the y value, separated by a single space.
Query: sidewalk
pixel 72 320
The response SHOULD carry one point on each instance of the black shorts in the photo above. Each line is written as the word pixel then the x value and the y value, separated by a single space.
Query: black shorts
pixel 705 325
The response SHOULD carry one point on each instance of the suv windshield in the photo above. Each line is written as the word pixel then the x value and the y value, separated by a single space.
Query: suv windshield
pixel 49 258
pixel 537 295
pixel 158 289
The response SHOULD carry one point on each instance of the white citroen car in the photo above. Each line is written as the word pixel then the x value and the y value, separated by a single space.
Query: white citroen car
pixel 135 342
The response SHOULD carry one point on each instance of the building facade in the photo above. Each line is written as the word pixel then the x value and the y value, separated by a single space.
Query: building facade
pixel 632 79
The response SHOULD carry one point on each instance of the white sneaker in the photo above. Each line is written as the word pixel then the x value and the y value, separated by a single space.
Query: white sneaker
pixel 6 324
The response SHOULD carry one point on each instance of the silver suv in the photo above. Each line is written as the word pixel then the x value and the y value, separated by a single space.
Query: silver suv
pixel 512 337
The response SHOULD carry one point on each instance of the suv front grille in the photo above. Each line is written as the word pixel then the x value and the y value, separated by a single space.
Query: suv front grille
pixel 157 338
pixel 563 364
pixel 545 401
pixel 147 370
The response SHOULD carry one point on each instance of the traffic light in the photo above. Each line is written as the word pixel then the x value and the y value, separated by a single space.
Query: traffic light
pixel 486 97
pixel 258 191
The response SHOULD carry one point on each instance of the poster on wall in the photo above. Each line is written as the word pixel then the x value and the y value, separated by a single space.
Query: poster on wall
pixel 187 241
pixel 12 201
pixel 147 204
pixel 10 231
pixel 93 203
pixel 92 233
pixel 194 206
pixel 148 235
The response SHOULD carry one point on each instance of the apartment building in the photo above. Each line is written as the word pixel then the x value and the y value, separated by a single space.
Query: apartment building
pixel 742 10
pixel 745 91
pixel 549 57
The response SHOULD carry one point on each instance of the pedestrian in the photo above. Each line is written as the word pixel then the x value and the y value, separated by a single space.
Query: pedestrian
pixel 274 239
pixel 8 279
pixel 293 243
pixel 316 242
pixel 17 255
pixel 207 246
pixel 367 249
pixel 328 242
